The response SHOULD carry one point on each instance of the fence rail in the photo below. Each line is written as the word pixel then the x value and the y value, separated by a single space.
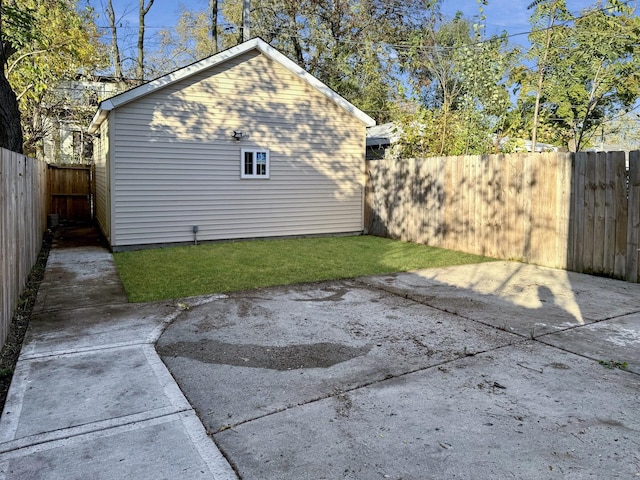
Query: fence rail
pixel 23 200
pixel 579 212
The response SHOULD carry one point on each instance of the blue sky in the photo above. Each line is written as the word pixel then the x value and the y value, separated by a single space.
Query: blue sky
pixel 501 15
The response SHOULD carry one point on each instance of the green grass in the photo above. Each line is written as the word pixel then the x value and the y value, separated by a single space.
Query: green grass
pixel 176 272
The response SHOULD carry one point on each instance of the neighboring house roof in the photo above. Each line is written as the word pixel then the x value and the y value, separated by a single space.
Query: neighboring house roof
pixel 383 135
pixel 197 67
pixel 608 147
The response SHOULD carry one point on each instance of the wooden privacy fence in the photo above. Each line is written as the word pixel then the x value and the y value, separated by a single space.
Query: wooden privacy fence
pixel 579 212
pixel 70 191
pixel 23 200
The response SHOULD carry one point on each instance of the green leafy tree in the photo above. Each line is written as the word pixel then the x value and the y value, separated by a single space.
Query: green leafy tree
pixel 460 77
pixel 485 102
pixel 585 70
pixel 435 78
pixel 603 71
pixel 64 43
pixel 352 46
pixel 549 38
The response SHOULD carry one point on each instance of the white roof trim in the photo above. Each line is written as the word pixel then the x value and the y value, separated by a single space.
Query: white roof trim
pixel 185 72
pixel 97 120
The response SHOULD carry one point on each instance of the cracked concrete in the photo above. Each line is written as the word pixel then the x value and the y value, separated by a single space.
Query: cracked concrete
pixel 478 371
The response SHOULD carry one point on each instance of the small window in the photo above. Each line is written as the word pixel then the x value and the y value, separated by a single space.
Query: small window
pixel 254 163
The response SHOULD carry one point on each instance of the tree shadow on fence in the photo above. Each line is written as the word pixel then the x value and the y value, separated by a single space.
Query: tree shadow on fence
pixel 511 207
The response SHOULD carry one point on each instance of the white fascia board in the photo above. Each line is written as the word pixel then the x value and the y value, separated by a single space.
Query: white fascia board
pixel 179 74
pixel 97 120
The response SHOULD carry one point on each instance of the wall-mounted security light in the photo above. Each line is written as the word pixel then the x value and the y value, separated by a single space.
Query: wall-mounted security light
pixel 237 134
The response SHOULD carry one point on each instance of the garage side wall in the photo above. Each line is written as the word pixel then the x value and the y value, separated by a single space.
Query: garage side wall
pixel 177 164
pixel 102 194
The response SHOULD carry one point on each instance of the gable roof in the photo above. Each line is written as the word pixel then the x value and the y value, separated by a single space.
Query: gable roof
pixel 197 67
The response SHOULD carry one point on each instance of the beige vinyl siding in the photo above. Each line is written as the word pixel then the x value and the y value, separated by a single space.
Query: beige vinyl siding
pixel 177 164
pixel 101 160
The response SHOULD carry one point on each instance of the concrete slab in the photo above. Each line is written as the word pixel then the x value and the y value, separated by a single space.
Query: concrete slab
pixel 79 277
pixel 256 353
pixel 66 297
pixel 169 447
pixel 72 236
pixel 82 273
pixel 99 385
pixel 86 328
pixel 524 411
pixel 87 255
pixel 487 371
pixel 524 299
pixel 615 341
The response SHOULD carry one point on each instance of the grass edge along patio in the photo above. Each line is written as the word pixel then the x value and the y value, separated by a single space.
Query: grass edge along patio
pixel 223 267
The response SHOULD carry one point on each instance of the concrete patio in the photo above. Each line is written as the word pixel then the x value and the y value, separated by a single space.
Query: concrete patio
pixel 498 370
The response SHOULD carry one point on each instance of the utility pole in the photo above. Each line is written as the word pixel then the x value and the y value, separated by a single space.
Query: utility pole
pixel 246 20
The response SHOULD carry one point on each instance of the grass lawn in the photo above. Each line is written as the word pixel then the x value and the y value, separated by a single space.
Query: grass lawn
pixel 166 273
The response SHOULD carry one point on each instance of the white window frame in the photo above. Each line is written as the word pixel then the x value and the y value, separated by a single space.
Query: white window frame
pixel 255 152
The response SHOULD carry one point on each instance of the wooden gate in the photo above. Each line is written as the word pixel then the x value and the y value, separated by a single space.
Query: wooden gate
pixel 70 192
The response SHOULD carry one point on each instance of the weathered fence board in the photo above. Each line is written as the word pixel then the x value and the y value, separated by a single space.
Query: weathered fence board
pixel 633 230
pixel 621 215
pixel 555 209
pixel 22 224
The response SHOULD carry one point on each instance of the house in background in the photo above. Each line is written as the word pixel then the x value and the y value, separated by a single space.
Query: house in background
pixel 380 138
pixel 65 139
pixel 233 146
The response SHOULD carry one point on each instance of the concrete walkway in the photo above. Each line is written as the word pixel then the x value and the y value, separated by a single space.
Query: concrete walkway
pixel 90 398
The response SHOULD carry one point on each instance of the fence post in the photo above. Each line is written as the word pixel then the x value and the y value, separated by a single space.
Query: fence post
pixel 633 229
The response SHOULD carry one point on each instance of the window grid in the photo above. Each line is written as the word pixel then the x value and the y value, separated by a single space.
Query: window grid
pixel 254 163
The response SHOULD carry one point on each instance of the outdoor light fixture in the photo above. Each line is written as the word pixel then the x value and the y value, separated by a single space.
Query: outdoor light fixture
pixel 237 134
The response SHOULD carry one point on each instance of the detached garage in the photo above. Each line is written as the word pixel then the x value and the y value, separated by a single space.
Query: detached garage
pixel 242 144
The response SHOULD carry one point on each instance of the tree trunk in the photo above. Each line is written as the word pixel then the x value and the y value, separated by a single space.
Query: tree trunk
pixel 213 4
pixel 246 20
pixel 115 50
pixel 10 126
pixel 142 13
pixel 541 71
